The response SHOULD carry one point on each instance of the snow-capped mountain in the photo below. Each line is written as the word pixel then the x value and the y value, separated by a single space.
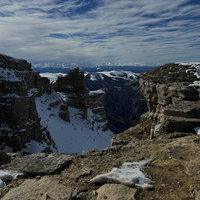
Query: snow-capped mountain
pixel 115 75
pixel 85 65
pixel 91 67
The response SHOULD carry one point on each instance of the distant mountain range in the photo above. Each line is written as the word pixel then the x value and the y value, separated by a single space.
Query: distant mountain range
pixel 92 67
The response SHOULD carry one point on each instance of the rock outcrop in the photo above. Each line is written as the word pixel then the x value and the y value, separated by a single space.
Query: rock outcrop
pixel 38 164
pixel 73 84
pixel 173 102
pixel 174 170
pixel 19 121
pixel 42 189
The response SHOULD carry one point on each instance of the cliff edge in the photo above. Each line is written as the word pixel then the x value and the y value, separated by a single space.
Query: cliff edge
pixel 172 92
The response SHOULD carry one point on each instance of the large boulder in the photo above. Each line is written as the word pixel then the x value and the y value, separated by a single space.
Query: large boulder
pixel 39 164
pixel 42 189
pixel 117 192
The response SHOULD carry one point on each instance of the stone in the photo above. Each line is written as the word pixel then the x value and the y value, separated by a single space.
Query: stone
pixel 4 158
pixel 54 104
pixel 39 164
pixel 73 84
pixel 187 109
pixel 117 192
pixel 43 189
pixel 64 113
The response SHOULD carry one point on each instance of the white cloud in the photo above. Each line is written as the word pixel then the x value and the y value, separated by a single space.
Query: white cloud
pixel 116 31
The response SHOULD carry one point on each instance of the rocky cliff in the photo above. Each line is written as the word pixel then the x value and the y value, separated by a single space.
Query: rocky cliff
pixel 173 96
pixel 19 121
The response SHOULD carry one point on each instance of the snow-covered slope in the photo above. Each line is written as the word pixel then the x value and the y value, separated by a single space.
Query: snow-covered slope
pixel 74 136
pixel 52 76
pixel 127 75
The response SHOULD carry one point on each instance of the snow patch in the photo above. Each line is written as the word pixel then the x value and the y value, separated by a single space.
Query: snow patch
pixel 96 76
pixel 100 91
pixel 195 83
pixel 127 75
pixel 8 175
pixel 9 75
pixel 195 65
pixel 34 147
pixel 32 91
pixel 11 95
pixel 197 129
pixel 128 174
pixel 52 76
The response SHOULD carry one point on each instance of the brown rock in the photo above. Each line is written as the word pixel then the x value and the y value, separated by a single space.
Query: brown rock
pixel 43 189
pixel 173 104
pixel 117 192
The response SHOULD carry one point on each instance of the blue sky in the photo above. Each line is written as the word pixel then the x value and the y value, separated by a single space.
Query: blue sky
pixel 97 31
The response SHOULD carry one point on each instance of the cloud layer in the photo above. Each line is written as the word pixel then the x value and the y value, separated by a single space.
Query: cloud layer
pixel 147 31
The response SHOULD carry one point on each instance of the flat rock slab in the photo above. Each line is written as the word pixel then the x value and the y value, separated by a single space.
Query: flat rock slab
pixel 43 189
pixel 188 109
pixel 117 192
pixel 39 164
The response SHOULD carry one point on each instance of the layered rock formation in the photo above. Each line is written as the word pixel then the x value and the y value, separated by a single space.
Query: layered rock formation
pixel 19 121
pixel 73 84
pixel 173 102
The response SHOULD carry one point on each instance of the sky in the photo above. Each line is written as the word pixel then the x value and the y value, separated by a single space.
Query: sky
pixel 99 31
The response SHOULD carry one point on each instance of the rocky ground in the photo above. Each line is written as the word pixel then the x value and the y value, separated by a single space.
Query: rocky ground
pixel 174 170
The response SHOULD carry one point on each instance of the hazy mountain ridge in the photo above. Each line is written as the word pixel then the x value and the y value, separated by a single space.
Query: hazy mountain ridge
pixel 91 67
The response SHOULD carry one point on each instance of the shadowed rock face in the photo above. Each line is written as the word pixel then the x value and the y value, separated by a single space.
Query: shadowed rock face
pixel 122 100
pixel 19 85
pixel 74 85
